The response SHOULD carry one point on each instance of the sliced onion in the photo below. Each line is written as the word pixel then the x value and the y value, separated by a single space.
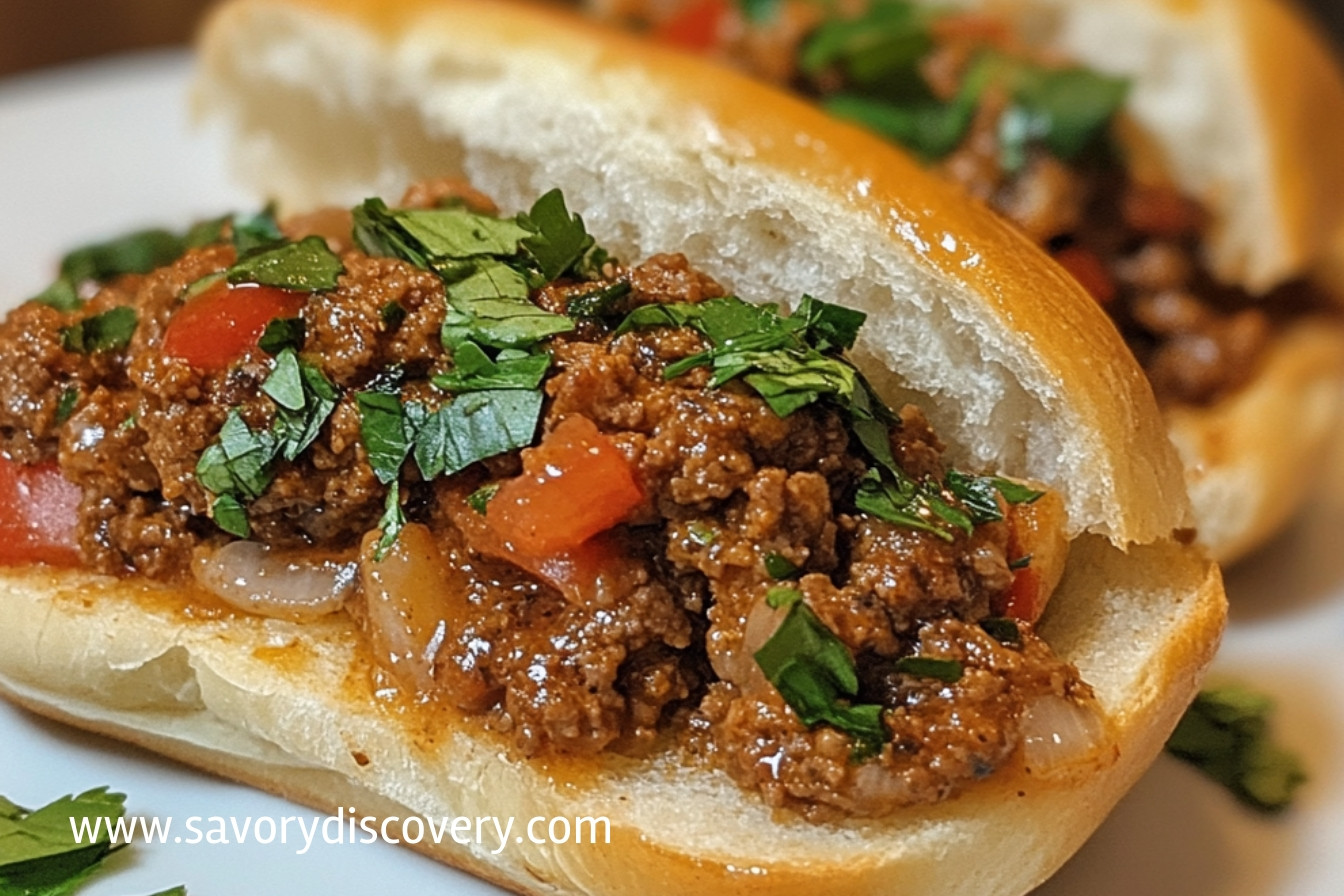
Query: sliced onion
pixel 1057 731
pixel 282 584
pixel 737 664
pixel 408 601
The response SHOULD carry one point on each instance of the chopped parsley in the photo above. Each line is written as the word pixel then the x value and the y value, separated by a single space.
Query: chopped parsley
pixel 384 429
pixel 134 253
pixel 474 370
pixel 65 405
pixel 391 522
pixel 1003 629
pixel 473 427
pixel 39 852
pixel 946 671
pixel 558 242
pixel 815 674
pixel 107 332
pixel 304 399
pixel 794 360
pixel 1226 734
pixel 255 233
pixel 783 357
pixel 878 56
pixel 780 567
pixel 240 465
pixel 480 499
pixel 282 333
pixel 306 266
pixel 597 304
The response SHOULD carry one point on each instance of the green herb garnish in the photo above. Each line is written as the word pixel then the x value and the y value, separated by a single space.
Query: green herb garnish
pixel 1226 734
pixel 759 12
pixel 702 533
pixel 392 314
pixel 240 465
pixel 54 850
pixel 881 48
pixel 815 674
pixel 230 515
pixel 472 428
pixel 878 57
pixel 473 370
pixel 306 266
pixel 391 522
pixel 1003 630
pixel 558 241
pixel 480 499
pixel 384 429
pixel 135 253
pixel 304 397
pixel 282 333
pixel 65 405
pixel 255 233
pixel 780 567
pixel 783 357
pixel 107 332
pixel 597 304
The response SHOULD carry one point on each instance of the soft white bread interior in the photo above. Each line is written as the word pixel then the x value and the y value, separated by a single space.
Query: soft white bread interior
pixel 291 708
pixel 1241 104
pixel 1244 103
pixel 1250 459
pixel 334 101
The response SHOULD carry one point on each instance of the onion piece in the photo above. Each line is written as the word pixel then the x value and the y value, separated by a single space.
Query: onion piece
pixel 282 584
pixel 409 600
pixel 1057 731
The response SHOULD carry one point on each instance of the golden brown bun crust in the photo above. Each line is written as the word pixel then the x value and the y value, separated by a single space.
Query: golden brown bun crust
pixel 1250 457
pixel 635 139
pixel 289 708
pixel 1300 95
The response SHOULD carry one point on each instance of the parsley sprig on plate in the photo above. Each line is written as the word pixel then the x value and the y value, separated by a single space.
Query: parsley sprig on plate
pixel 39 853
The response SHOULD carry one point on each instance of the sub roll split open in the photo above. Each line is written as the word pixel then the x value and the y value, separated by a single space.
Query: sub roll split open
pixel 512 525
pixel 1180 159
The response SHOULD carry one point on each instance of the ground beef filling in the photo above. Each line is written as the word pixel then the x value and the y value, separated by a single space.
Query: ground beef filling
pixel 657 650
pixel 1135 247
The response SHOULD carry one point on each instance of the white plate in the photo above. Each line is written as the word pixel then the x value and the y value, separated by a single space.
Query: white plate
pixel 95 150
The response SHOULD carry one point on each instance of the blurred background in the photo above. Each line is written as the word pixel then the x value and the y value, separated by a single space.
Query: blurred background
pixel 36 33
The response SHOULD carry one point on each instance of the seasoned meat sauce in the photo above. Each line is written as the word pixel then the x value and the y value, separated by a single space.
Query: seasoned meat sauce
pixel 1135 245
pixel 653 651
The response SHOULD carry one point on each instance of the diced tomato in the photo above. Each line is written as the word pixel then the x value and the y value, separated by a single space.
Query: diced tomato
pixel 1036 538
pixel 213 329
pixel 575 484
pixel 697 27
pixel 39 513
pixel 1089 270
pixel 1023 600
pixel 601 565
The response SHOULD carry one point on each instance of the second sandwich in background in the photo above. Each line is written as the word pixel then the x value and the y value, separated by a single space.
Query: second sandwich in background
pixel 1169 156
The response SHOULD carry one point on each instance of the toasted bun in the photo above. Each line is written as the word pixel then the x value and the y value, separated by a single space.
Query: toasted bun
pixel 290 708
pixel 334 100
pixel 1016 366
pixel 1246 104
pixel 1258 141
pixel 330 100
pixel 1249 458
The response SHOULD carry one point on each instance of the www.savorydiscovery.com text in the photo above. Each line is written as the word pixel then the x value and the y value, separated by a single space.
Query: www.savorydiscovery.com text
pixel 494 833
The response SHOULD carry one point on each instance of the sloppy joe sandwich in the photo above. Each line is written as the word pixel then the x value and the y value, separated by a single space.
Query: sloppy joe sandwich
pixel 747 509
pixel 1180 160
